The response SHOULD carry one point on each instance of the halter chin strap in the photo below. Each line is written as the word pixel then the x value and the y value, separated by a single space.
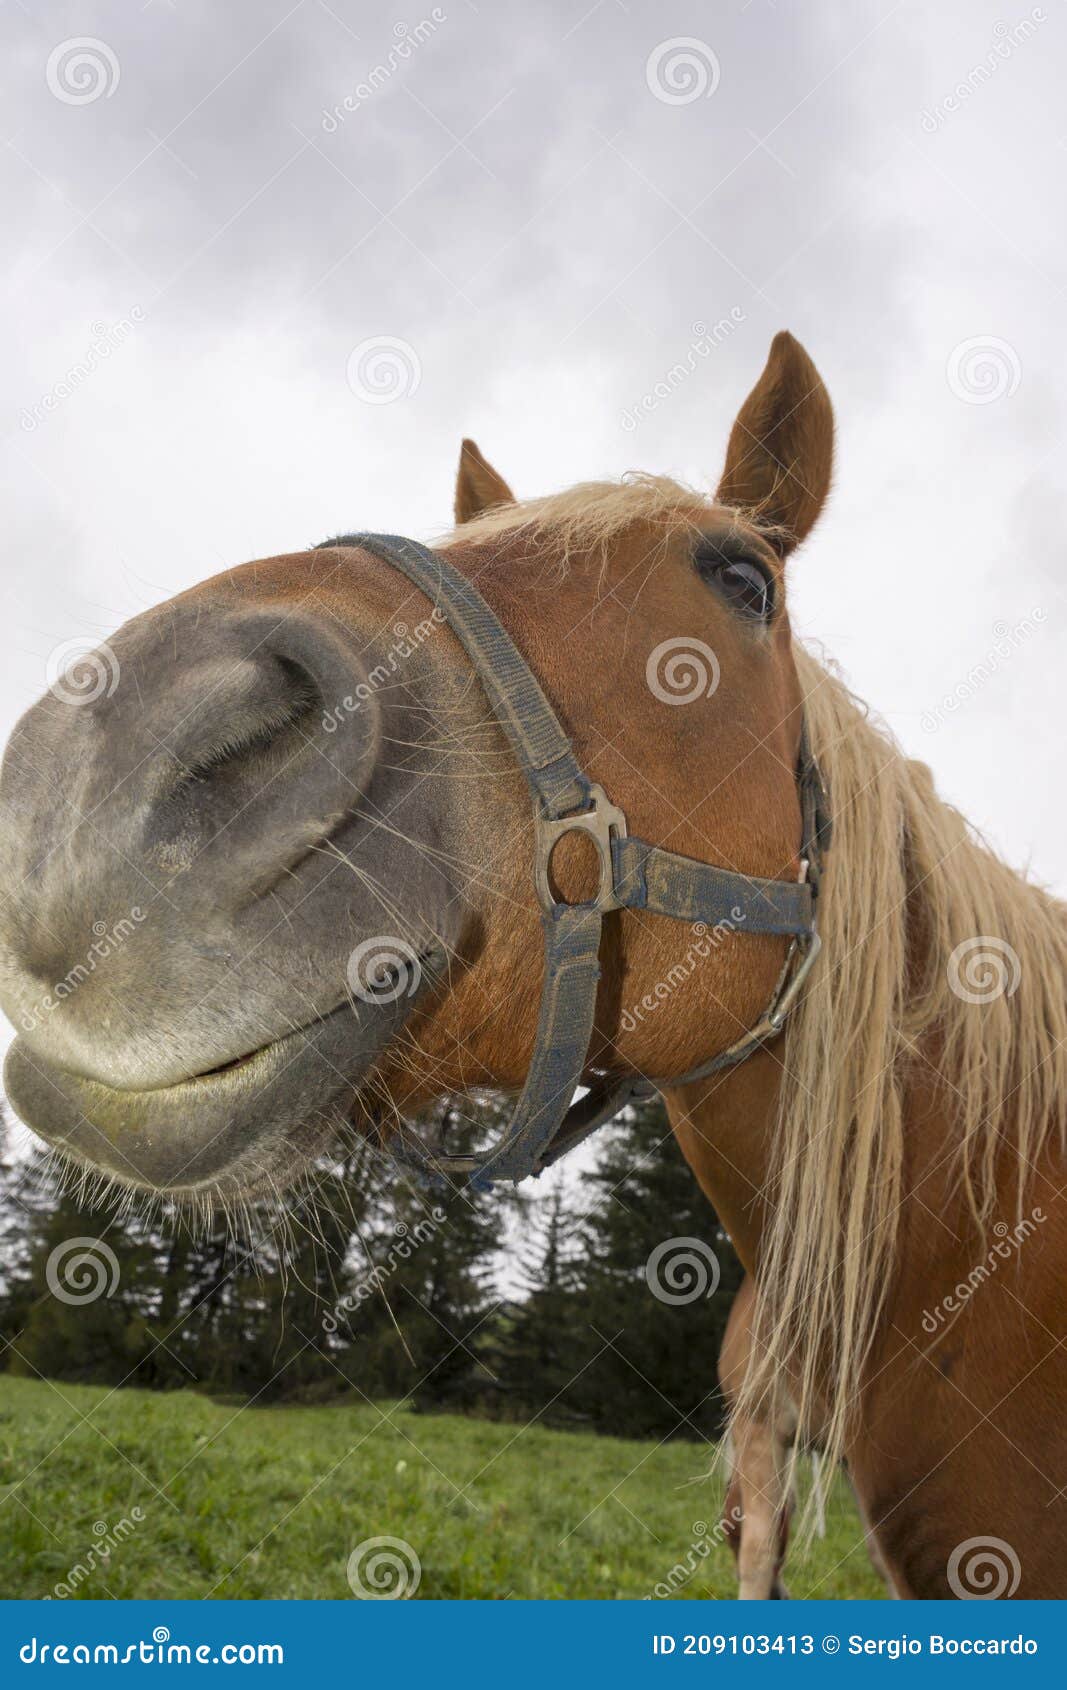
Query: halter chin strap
pixel 546 1121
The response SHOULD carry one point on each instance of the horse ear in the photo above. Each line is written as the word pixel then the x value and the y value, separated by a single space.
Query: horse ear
pixel 780 455
pixel 478 486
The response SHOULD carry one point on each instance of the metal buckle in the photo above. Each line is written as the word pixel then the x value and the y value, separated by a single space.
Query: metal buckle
pixel 788 988
pixel 776 1017
pixel 603 821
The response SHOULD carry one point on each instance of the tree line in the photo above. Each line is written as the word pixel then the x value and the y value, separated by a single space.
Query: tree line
pixel 599 1304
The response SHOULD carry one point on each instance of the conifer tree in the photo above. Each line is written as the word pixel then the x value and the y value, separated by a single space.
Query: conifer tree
pixel 422 1303
pixel 546 1340
pixel 659 1277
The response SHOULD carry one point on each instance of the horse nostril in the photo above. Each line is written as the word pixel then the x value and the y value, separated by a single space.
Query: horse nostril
pixel 252 771
pixel 275 712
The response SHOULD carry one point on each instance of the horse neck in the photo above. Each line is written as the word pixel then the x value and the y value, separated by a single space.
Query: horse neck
pixel 724 1128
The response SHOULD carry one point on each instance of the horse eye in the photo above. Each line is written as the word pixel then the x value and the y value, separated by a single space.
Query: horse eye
pixel 746 586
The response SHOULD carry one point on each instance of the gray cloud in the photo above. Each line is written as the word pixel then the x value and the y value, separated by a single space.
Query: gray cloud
pixel 513 202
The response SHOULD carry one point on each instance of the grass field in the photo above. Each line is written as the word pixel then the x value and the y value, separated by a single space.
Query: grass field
pixel 270 1502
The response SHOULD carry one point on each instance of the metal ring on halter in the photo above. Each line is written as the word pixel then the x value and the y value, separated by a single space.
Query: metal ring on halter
pixel 603 823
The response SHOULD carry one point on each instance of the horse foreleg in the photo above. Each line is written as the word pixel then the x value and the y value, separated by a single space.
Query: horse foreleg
pixel 760 1493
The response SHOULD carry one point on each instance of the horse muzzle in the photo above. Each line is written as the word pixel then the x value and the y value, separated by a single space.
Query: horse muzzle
pixel 208 875
pixel 240 1129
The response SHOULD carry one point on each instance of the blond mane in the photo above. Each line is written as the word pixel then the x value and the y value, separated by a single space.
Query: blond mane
pixel 590 511
pixel 935 952
pixel 586 519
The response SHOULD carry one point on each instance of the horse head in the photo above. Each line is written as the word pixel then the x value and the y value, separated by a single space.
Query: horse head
pixel 267 853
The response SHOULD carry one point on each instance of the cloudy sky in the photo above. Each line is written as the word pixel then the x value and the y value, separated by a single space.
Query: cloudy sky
pixel 532 213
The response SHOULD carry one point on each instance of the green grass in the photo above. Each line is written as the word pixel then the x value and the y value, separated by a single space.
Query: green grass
pixel 270 1502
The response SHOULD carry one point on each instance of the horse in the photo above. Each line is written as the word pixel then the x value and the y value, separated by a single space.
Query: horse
pixel 253 785
pixel 760 1498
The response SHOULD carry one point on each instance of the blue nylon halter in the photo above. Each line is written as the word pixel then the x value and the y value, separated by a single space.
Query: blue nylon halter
pixel 546 1122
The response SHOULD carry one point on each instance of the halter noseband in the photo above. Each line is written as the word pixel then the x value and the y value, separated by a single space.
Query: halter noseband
pixel 546 1123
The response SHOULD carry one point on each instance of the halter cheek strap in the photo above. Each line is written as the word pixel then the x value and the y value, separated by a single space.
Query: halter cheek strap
pixel 546 1121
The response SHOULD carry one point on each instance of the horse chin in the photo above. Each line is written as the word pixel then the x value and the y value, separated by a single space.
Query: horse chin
pixel 244 1130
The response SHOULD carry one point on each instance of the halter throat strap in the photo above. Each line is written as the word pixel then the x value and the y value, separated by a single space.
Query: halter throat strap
pixel 546 1121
